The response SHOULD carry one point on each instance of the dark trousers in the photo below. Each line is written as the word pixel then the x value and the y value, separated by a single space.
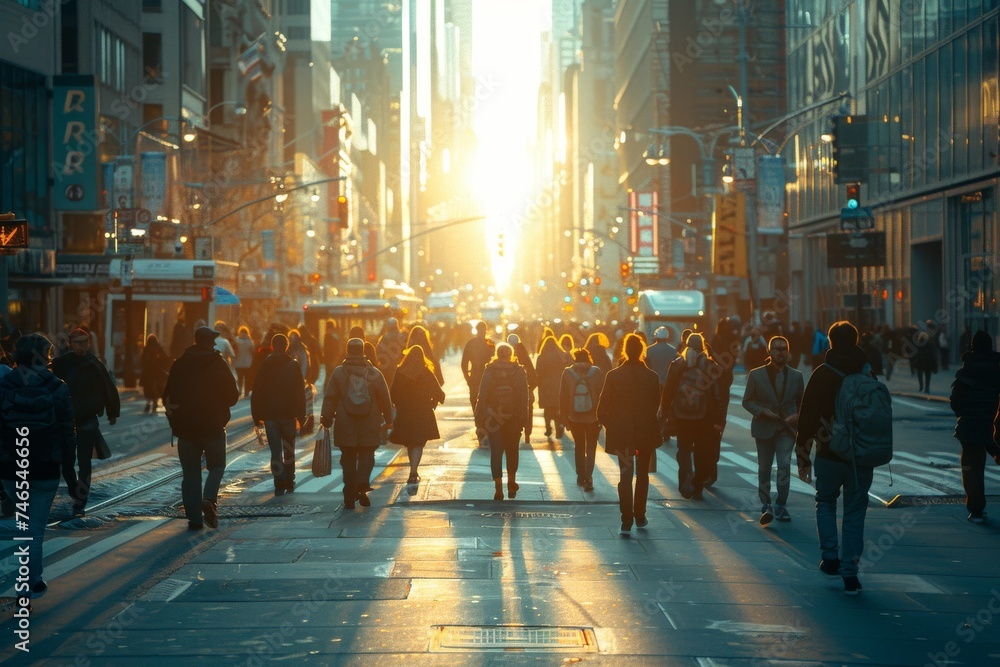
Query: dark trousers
pixel 505 441
pixel 697 460
pixel 633 506
pixel 973 471
pixel 281 442
pixel 190 451
pixel 552 415
pixel 924 379
pixel 79 485
pixel 585 446
pixel 243 385
pixel 357 463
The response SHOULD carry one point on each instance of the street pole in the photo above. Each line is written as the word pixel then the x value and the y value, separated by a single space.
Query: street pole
pixel 128 367
pixel 859 292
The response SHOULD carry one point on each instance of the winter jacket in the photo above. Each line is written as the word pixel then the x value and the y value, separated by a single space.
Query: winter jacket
pixel 47 448
pixel 491 414
pixel 975 395
pixel 549 367
pixel 155 363
pixel 627 409
pixel 300 354
pixel 90 385
pixel 415 392
pixel 278 390
pixel 351 430
pixel 571 376
pixel 819 399
pixel 707 378
pixel 200 390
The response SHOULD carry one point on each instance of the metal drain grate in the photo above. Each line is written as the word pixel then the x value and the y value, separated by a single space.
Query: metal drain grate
pixel 512 638
pixel 166 590
pixel 529 515
pixel 227 511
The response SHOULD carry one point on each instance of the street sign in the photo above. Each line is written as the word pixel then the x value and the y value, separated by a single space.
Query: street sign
pixel 729 239
pixel 744 163
pixel 857 219
pixel 648 266
pixel 854 250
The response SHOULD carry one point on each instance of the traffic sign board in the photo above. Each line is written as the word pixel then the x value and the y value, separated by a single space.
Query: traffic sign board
pixel 857 219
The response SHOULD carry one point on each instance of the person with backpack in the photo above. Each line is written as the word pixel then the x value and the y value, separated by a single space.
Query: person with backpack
pixel 199 392
pixel 579 390
pixel 358 406
pixel 848 414
pixel 626 409
pixel 415 392
pixel 277 402
pixel 94 394
pixel 501 415
pixel 773 396
pixel 36 424
pixel 975 395
pixel 694 407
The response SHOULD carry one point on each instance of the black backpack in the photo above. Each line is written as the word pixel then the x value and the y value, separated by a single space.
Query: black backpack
pixel 32 406
pixel 691 400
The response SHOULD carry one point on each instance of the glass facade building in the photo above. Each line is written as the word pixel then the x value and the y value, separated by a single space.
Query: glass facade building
pixel 24 145
pixel 926 75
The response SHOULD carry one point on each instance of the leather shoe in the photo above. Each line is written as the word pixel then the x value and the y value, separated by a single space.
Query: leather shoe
pixel 364 500
pixel 208 508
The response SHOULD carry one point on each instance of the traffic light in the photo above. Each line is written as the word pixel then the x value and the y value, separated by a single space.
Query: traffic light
pixel 597 300
pixel 315 278
pixel 625 270
pixel 853 195
pixel 343 211
pixel 833 137
pixel 597 281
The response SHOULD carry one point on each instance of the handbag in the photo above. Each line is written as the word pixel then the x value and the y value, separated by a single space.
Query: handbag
pixel 322 463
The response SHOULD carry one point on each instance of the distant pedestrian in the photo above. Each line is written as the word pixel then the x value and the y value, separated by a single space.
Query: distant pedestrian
pixel 943 344
pixel 754 350
pixel 36 427
pixel 597 344
pixel 660 354
pixel 579 391
pixel 773 396
pixel 627 411
pixel 549 366
pixel 835 477
pixel 501 414
pixel 278 403
pixel 155 365
pixel 415 393
pixel 244 360
pixel 523 359
pixel 333 353
pixel 925 358
pixel 476 354
pixel 199 392
pixel 94 393
pixel 694 405
pixel 358 406
pixel 390 349
pixel 975 396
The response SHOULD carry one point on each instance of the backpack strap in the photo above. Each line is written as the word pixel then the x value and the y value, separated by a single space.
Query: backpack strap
pixel 594 370
pixel 835 370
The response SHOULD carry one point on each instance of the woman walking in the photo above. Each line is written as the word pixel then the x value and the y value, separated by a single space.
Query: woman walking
pixel 975 394
pixel 501 414
pixel 578 393
pixel 244 360
pixel 415 392
pixel 627 409
pixel 524 360
pixel 420 336
pixel 154 363
pixel 548 369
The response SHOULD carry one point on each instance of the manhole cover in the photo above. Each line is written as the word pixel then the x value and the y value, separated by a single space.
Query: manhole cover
pixel 227 511
pixel 512 637
pixel 166 590
pixel 529 515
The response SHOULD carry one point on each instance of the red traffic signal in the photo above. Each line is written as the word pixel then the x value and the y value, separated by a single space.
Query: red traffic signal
pixel 853 195
pixel 625 270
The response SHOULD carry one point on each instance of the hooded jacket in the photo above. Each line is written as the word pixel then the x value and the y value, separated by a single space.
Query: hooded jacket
pixel 975 394
pixel 819 400
pixel 48 448
pixel 90 385
pixel 200 390
pixel 492 416
pixel 278 389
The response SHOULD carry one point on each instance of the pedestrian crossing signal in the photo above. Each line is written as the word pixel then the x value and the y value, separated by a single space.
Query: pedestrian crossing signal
pixel 853 195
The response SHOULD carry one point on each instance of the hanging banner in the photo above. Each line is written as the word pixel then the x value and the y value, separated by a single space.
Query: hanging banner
pixel 124 183
pixel 268 251
pixel 770 194
pixel 643 220
pixel 153 166
pixel 74 142
pixel 729 238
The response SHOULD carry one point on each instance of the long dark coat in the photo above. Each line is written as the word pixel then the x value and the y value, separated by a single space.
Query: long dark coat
pixel 975 394
pixel 415 392
pixel 549 366
pixel 155 363
pixel 627 408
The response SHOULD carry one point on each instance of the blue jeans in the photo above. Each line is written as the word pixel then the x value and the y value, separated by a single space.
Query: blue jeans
pixel 832 477
pixel 190 451
pixel 40 496
pixel 281 442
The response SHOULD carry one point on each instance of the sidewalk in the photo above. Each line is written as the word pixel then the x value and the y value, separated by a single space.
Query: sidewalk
pixel 903 383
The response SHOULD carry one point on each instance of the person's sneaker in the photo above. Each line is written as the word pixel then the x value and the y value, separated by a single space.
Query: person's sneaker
pixel 687 489
pixel 626 530
pixel 766 515
pixel 852 586
pixel 39 589
pixel 588 484
pixel 194 526
pixel 348 504
pixel 978 518
pixel 830 567
pixel 781 514
pixel 364 500
pixel 208 508
pixel 641 522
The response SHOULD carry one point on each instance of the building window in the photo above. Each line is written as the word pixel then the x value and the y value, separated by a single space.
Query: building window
pixel 299 32
pixel 193 49
pixel 152 57
pixel 297 8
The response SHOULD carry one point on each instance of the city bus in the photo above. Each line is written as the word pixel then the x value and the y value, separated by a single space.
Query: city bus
pixel 674 309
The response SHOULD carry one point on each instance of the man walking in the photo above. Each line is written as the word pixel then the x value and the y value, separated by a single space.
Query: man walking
pixel 94 393
pixel 773 396
pixel 200 390
pixel 660 354
pixel 476 354
pixel 278 401
pixel 834 475
pixel 390 349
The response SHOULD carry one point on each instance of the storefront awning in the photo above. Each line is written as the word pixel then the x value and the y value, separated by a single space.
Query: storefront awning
pixel 224 297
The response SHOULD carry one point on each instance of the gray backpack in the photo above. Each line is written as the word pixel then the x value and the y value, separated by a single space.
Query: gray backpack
pixel 862 420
